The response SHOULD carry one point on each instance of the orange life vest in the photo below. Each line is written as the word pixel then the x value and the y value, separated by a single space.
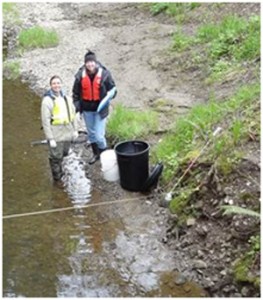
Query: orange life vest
pixel 91 90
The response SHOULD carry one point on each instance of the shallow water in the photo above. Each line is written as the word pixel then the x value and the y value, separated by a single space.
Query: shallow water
pixel 94 252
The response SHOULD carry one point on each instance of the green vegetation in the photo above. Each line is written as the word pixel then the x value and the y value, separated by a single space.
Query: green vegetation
pixel 232 209
pixel 179 11
pixel 179 203
pixel 225 45
pixel 191 131
pixel 9 7
pixel 224 54
pixel 38 37
pixel 125 123
pixel 172 9
pixel 223 70
pixel 181 41
pixel 234 38
pixel 242 266
pixel 11 69
pixel 10 13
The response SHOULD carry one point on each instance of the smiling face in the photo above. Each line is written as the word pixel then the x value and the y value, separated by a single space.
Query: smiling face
pixel 91 66
pixel 56 85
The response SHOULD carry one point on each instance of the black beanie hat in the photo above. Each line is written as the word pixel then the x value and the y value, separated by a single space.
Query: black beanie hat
pixel 89 56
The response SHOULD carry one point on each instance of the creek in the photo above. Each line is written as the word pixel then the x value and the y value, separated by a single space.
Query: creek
pixel 95 252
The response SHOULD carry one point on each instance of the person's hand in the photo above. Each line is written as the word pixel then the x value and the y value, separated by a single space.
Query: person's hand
pixel 52 143
pixel 75 135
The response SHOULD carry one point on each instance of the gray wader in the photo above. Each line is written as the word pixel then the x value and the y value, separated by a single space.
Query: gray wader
pixel 56 157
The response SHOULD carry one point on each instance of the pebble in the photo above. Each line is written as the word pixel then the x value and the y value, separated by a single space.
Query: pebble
pixel 227 190
pixel 199 204
pixel 227 289
pixel 199 264
pixel 207 282
pixel 190 222
pixel 230 202
pixel 215 202
pixel 245 291
pixel 164 240
pixel 200 253
pixel 237 295
pixel 180 279
pixel 202 230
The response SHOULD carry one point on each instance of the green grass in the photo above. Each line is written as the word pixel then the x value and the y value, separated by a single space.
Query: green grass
pixel 234 38
pixel 242 266
pixel 180 11
pixel 11 69
pixel 191 131
pixel 10 13
pixel 125 123
pixel 224 70
pixel 181 41
pixel 9 8
pixel 172 9
pixel 222 47
pixel 232 209
pixel 38 37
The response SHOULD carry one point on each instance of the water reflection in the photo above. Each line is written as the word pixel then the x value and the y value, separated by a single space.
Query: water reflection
pixel 77 185
pixel 106 251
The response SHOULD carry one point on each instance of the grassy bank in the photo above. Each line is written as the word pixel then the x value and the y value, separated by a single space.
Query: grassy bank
pixel 126 124
pixel 38 37
pixel 224 50
pixel 238 116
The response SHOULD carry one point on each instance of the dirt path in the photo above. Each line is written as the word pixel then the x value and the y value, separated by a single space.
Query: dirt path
pixel 126 40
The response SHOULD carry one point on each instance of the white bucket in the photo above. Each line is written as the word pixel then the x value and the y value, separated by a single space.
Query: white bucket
pixel 109 165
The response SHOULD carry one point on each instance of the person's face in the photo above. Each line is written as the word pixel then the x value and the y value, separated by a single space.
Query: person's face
pixel 56 85
pixel 91 66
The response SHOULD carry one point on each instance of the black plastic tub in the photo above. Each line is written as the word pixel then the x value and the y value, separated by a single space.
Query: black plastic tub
pixel 133 161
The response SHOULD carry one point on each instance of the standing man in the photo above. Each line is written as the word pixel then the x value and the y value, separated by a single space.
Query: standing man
pixel 58 122
pixel 93 90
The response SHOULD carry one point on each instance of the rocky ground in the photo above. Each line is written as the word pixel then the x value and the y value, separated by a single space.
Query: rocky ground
pixel 134 48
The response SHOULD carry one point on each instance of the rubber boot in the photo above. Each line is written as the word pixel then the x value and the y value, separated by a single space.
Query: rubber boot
pixel 101 150
pixel 96 153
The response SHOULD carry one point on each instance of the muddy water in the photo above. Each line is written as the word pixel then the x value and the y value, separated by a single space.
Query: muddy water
pixel 78 253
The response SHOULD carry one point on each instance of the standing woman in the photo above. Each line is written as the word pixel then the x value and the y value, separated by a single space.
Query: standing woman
pixel 57 115
pixel 92 92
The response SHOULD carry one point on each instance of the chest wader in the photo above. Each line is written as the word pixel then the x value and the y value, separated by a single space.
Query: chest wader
pixel 56 156
pixel 61 115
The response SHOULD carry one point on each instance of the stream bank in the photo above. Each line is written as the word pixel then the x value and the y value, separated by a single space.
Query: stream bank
pixel 141 76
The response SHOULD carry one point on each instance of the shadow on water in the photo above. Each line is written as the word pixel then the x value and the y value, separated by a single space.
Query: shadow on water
pixel 76 253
